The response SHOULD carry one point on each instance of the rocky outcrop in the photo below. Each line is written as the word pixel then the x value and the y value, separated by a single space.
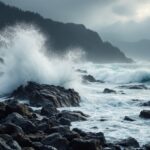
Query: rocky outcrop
pixel 128 118
pixel 108 91
pixel 90 78
pixel 41 95
pixel 49 129
pixel 129 142
pixel 145 114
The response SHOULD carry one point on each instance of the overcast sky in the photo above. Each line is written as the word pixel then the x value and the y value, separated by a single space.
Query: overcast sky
pixel 126 20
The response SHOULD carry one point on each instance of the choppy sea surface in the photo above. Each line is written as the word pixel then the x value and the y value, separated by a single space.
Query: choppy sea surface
pixel 107 111
pixel 24 59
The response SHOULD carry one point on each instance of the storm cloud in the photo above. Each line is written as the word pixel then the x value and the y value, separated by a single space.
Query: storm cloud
pixel 113 19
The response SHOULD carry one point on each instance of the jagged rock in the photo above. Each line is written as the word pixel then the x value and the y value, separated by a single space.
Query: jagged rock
pixel 49 110
pixel 80 144
pixel 64 121
pixel 10 128
pixel 73 115
pixel 107 91
pixel 89 135
pixel 41 95
pixel 57 141
pixel 24 123
pixel 71 135
pixel 7 143
pixel 145 114
pixel 128 118
pixel 129 142
pixel 23 140
pixel 14 106
pixel 59 129
pixel 51 137
pixel 90 78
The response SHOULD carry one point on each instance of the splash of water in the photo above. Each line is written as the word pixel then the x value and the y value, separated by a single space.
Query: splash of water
pixel 25 60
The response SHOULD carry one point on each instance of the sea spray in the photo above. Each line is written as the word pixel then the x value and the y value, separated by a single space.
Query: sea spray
pixel 120 73
pixel 25 60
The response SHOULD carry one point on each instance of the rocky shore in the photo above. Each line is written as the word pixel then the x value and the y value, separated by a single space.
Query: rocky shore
pixel 24 128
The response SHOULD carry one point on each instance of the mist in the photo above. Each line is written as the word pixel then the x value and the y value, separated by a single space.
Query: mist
pixel 24 59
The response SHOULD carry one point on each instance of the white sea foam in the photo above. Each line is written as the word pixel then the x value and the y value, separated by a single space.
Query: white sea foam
pixel 120 73
pixel 24 60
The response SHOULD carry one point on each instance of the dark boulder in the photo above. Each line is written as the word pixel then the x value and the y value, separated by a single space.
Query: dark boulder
pixel 90 78
pixel 80 144
pixel 145 104
pixel 129 142
pixel 108 91
pixel 63 130
pixel 25 124
pixel 49 110
pixel 51 137
pixel 56 140
pixel 128 118
pixel 2 110
pixel 146 146
pixel 10 128
pixel 23 140
pixel 64 121
pixel 89 135
pixel 41 95
pixel 7 143
pixel 15 106
pixel 145 114
pixel 73 115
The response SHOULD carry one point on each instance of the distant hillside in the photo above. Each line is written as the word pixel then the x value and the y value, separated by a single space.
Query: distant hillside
pixel 139 49
pixel 62 36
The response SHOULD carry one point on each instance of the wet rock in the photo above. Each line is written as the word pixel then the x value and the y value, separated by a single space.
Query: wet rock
pixel 10 128
pixel 22 122
pixel 49 110
pixel 64 121
pixel 80 144
pixel 63 130
pixel 71 135
pixel 145 104
pixel 51 137
pixel 56 140
pixel 73 115
pixel 90 78
pixel 41 95
pixel 145 114
pixel 107 91
pixel 130 142
pixel 128 118
pixel 89 135
pixel 7 143
pixel 146 146
pixel 2 110
pixel 14 106
pixel 23 140
pixel 136 87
